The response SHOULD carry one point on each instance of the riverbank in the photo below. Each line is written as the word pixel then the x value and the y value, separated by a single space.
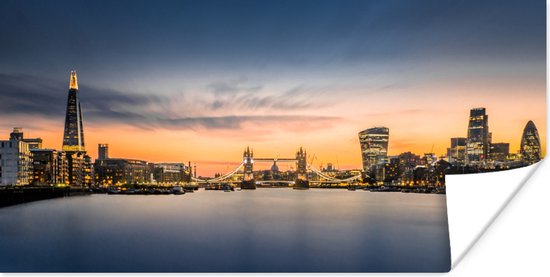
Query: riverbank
pixel 18 195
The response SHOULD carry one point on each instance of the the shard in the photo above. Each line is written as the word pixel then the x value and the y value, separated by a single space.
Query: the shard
pixel 73 137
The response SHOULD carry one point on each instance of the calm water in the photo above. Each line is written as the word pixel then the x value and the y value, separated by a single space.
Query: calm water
pixel 262 230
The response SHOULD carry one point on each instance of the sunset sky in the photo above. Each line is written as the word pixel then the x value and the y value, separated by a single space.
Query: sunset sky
pixel 198 81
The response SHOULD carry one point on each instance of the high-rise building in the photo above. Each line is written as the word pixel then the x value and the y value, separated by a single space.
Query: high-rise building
pixel 15 160
pixel 530 143
pixel 456 153
pixel 478 140
pixel 73 137
pixel 79 163
pixel 499 151
pixel 374 146
pixel 103 151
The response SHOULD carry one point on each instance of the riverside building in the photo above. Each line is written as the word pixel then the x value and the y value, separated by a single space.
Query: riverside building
pixel 15 160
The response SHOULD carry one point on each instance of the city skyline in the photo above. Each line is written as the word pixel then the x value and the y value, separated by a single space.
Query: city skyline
pixel 211 82
pixel 209 167
pixel 246 136
pixel 477 114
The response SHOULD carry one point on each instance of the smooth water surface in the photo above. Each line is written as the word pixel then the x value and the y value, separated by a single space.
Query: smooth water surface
pixel 262 230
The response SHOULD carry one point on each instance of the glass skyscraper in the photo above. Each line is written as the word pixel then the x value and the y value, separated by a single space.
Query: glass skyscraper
pixel 374 146
pixel 530 143
pixel 79 164
pixel 478 140
pixel 73 137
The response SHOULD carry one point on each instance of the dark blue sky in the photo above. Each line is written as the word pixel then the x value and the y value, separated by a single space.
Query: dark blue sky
pixel 292 66
pixel 143 37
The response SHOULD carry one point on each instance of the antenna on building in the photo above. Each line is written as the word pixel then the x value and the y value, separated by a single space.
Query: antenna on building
pixel 73 84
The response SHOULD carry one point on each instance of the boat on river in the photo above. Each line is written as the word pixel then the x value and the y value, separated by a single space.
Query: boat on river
pixel 177 190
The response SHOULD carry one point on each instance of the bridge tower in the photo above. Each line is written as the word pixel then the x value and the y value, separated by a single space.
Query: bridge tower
pixel 248 176
pixel 301 170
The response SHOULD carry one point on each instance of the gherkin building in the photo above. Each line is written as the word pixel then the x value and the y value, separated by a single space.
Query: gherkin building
pixel 530 143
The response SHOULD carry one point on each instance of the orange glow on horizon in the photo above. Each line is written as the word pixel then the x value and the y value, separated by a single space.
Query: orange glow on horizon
pixel 419 118
pixel 214 154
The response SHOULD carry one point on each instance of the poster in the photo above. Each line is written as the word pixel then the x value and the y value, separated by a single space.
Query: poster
pixel 260 136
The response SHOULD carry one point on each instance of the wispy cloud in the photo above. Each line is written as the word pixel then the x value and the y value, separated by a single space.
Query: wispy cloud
pixel 234 86
pixel 24 95
pixel 257 102
pixel 241 94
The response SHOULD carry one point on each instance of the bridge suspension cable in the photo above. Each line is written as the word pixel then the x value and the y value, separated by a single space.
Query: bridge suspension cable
pixel 309 167
pixel 330 178
pixel 220 178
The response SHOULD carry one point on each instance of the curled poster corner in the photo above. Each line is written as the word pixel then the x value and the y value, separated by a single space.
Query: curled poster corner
pixel 474 201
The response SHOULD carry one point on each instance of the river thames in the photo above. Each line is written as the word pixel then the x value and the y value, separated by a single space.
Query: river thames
pixel 266 230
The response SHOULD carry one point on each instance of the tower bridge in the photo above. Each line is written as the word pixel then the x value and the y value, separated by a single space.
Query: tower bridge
pixel 301 181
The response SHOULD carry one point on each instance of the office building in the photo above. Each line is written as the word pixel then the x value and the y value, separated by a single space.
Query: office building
pixel 47 167
pixel 530 148
pixel 374 147
pixel 478 140
pixel 499 151
pixel 79 163
pixel 115 171
pixel 170 172
pixel 456 154
pixel 73 136
pixel 15 160
pixel 34 143
pixel 103 151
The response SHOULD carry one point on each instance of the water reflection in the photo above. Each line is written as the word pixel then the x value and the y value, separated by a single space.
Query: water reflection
pixel 262 230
